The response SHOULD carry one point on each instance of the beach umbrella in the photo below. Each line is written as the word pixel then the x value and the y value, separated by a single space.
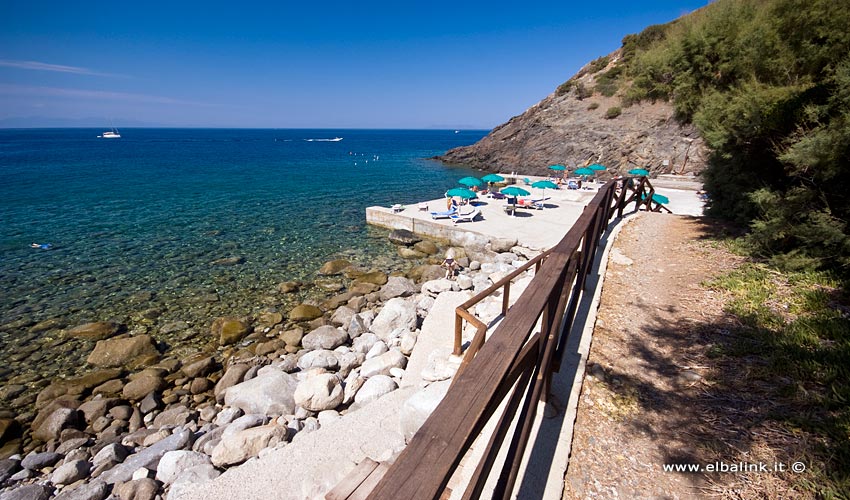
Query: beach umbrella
pixel 471 181
pixel 492 178
pixel 597 167
pixel 515 191
pixel 639 171
pixel 585 171
pixel 543 185
pixel 460 193
pixel 557 167
pixel 660 198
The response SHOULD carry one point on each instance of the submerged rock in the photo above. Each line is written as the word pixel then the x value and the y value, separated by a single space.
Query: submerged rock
pixel 112 353
pixel 305 312
pixel 403 237
pixel 334 267
pixel 94 331
pixel 229 330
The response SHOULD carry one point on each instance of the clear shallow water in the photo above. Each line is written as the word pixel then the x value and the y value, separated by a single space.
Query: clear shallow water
pixel 136 223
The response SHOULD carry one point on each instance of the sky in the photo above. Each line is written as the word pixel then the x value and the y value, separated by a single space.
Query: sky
pixel 353 64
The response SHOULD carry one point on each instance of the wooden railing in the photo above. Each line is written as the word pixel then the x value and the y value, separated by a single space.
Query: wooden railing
pixel 516 362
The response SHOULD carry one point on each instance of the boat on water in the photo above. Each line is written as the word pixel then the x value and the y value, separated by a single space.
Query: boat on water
pixel 110 134
pixel 335 139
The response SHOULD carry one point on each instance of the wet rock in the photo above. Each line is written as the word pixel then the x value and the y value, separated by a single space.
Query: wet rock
pixel 248 443
pixel 320 392
pixel 200 385
pixel 338 300
pixel 269 319
pixel 270 393
pixel 147 383
pixel 396 313
pixel 229 330
pixel 362 288
pixel 324 337
pixel 410 253
pixel 334 267
pixel 99 330
pixel 48 324
pixel 9 428
pixel 11 391
pixel 304 312
pixel 403 237
pixel 375 387
pixel 174 462
pixel 288 287
pixel 198 367
pixel 8 467
pixel 373 277
pixel 426 272
pixel 112 353
pixel 426 246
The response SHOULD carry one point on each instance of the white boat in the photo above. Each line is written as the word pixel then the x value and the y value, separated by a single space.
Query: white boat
pixel 111 134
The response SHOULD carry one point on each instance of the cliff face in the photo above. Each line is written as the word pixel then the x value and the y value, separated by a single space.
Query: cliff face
pixel 574 132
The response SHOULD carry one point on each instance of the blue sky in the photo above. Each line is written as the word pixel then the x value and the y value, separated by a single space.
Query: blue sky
pixel 437 64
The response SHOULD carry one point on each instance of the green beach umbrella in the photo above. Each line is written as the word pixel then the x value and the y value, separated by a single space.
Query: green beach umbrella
pixel 597 167
pixel 639 171
pixel 585 171
pixel 471 181
pixel 515 191
pixel 492 178
pixel 461 193
pixel 557 167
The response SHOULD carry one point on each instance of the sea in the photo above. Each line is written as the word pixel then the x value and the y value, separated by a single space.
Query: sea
pixel 164 230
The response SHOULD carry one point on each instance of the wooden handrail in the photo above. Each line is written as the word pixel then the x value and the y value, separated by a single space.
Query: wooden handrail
pixel 513 360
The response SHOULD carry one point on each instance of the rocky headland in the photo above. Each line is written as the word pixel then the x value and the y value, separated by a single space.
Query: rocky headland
pixel 577 127
pixel 145 423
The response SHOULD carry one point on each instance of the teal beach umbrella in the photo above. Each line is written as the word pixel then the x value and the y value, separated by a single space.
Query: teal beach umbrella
pixel 557 167
pixel 492 178
pixel 515 191
pixel 597 167
pixel 639 171
pixel 460 193
pixel 543 185
pixel 471 181
pixel 585 171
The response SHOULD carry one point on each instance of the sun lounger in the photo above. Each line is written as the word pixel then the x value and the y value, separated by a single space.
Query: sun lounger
pixel 497 195
pixel 444 215
pixel 468 217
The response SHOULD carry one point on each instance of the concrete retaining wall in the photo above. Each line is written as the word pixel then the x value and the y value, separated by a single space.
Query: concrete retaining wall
pixel 384 217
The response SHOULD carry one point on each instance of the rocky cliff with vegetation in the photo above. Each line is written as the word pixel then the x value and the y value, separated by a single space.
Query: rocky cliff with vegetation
pixel 584 122
pixel 753 93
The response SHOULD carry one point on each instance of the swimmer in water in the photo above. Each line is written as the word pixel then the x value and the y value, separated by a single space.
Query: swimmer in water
pixel 43 246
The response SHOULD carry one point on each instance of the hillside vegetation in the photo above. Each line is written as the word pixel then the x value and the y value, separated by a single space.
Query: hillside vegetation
pixel 767 84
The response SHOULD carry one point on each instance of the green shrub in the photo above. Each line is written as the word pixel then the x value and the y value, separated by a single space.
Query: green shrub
pixel 613 112
pixel 565 87
pixel 582 92
pixel 598 64
pixel 592 106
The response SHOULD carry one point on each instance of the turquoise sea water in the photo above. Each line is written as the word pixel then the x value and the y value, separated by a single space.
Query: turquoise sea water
pixel 137 223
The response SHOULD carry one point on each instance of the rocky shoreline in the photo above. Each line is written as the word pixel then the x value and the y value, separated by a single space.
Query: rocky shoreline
pixel 147 424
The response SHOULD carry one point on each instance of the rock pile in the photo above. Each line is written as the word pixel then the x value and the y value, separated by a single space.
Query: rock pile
pixel 145 425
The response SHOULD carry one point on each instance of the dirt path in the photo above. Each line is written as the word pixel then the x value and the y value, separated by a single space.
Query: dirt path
pixel 653 394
